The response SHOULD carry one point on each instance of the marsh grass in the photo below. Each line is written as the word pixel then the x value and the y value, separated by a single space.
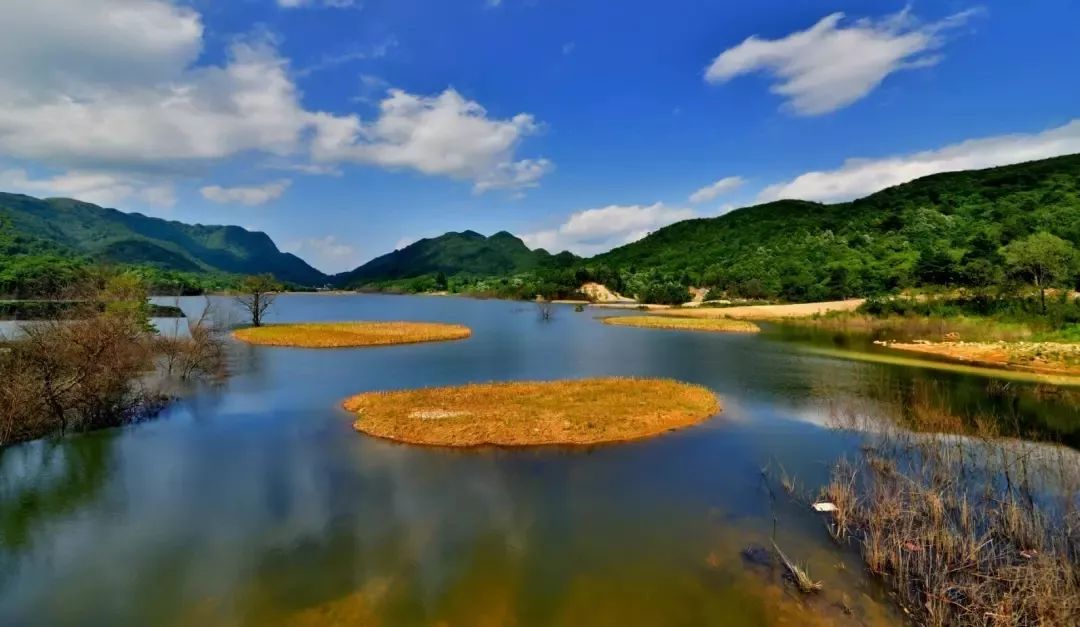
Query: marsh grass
pixel 350 334
pixel 528 413
pixel 1048 357
pixel 716 325
pixel 964 525
pixel 799 574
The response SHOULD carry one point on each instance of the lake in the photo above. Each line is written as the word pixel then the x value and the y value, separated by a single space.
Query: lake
pixel 254 502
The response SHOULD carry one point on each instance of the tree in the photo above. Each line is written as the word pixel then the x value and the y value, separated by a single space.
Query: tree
pixel 257 294
pixel 1042 259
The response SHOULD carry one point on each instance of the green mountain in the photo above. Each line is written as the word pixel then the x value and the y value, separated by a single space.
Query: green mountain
pixel 69 228
pixel 944 229
pixel 454 254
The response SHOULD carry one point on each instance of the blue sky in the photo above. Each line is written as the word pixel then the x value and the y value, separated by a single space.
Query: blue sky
pixel 346 129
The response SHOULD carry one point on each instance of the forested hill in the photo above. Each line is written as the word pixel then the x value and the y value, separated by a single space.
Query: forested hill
pixel 71 229
pixel 456 254
pixel 945 229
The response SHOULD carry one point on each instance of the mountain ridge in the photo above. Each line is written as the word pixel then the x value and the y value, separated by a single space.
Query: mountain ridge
pixel 75 228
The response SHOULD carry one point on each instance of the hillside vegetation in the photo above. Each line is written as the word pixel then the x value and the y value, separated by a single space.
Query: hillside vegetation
pixel 430 264
pixel 986 229
pixel 48 240
pixel 941 230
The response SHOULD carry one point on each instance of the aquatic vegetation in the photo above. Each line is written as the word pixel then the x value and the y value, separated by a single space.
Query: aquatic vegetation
pixel 720 325
pixel 350 334
pixel 798 573
pixel 527 413
pixel 965 526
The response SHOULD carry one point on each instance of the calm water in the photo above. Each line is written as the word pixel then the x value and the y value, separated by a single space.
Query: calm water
pixel 254 502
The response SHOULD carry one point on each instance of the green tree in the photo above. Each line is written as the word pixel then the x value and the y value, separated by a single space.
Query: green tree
pixel 1041 259
pixel 257 294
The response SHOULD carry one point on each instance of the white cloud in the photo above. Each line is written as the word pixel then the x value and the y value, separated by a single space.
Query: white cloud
pixel 100 188
pixel 831 65
pixel 49 45
pixel 859 177
pixel 330 61
pixel 335 4
pixel 250 196
pixel 594 231
pixel 326 253
pixel 208 113
pixel 142 105
pixel 514 175
pixel 443 135
pixel 714 190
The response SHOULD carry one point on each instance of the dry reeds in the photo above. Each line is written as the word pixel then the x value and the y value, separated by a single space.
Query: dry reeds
pixel 350 334
pixel 528 413
pixel 966 527
pixel 715 325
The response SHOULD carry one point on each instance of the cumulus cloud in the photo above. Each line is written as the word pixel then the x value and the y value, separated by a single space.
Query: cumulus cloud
pixel 215 112
pixel 250 196
pixel 100 188
pixel 329 254
pixel 52 45
pixel 594 231
pixel 833 64
pixel 445 135
pixel 859 177
pixel 142 105
pixel 717 189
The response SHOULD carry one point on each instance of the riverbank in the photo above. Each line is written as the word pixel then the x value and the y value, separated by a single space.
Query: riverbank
pixel 765 312
pixel 1040 357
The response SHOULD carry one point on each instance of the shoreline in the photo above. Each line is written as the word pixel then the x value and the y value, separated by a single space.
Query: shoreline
pixel 1002 355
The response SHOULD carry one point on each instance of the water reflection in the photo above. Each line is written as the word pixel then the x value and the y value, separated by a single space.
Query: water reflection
pixel 254 502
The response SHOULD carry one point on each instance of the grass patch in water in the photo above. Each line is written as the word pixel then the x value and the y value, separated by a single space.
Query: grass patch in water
pixel 532 413
pixel 350 334
pixel 716 325
pixel 1047 357
pixel 964 525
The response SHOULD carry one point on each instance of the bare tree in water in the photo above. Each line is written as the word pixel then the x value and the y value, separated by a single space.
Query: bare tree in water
pixel 545 309
pixel 257 294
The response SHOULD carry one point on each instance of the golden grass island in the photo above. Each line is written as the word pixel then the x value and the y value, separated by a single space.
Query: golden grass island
pixel 533 413
pixel 350 334
pixel 714 325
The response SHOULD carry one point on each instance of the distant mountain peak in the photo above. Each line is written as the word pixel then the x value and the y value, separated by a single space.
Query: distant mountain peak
pixel 453 253
pixel 81 229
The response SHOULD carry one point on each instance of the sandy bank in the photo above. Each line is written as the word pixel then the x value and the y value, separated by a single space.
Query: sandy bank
pixel 764 312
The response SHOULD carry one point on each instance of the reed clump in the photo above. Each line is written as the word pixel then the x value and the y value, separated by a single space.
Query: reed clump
pixel 350 334
pixel 715 325
pixel 965 527
pixel 530 413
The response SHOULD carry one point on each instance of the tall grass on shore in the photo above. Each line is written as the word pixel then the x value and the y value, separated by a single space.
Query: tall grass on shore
pixel 98 368
pixel 965 526
pixel 717 325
